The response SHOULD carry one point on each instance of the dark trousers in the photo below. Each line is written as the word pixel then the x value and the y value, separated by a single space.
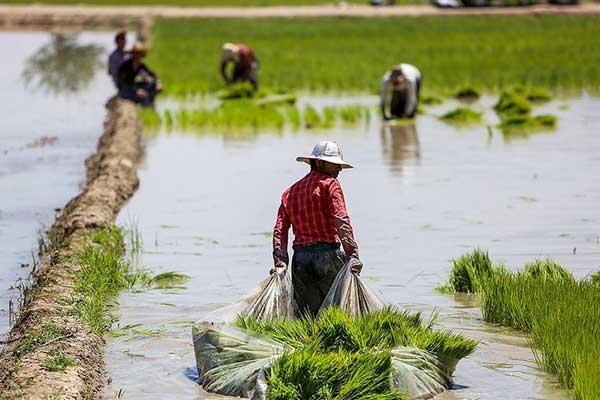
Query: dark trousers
pixel 398 102
pixel 240 73
pixel 314 268
pixel 130 93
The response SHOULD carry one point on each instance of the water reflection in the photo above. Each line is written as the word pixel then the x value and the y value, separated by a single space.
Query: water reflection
pixel 63 65
pixel 400 144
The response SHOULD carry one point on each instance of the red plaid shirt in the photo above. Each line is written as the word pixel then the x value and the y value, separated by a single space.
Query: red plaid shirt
pixel 316 210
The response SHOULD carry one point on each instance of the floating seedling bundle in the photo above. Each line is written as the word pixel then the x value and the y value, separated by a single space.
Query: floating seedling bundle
pixel 356 348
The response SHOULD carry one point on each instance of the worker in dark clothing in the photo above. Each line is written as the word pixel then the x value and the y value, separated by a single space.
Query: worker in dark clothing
pixel 405 82
pixel 119 55
pixel 137 82
pixel 245 64
pixel 315 209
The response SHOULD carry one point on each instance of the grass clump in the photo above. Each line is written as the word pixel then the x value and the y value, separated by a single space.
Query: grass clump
pixel 430 99
pixel 595 278
pixel 467 93
pixel 59 362
pixel 512 103
pixel 559 314
pixel 462 115
pixel 469 272
pixel 35 339
pixel 534 94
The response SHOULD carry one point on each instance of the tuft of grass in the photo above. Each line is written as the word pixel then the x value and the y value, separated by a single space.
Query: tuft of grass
pixel 467 93
pixel 526 123
pixel 555 309
pixel 470 271
pixel 462 115
pixel 512 103
pixel 430 99
pixel 38 338
pixel 534 94
pixel 547 270
pixel 168 279
pixel 59 362
pixel 595 278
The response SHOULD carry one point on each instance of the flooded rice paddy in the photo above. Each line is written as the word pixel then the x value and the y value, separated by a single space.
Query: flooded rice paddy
pixel 52 113
pixel 419 196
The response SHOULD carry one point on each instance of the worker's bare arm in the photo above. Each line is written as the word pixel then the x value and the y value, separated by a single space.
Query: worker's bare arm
pixel 280 238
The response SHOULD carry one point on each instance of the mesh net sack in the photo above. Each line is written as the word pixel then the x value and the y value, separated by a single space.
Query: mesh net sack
pixel 418 373
pixel 349 293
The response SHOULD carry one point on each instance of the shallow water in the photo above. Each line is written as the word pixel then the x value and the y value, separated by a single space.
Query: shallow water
pixel 418 197
pixel 38 175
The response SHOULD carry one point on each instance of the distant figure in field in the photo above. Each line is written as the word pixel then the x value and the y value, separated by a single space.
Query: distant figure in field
pixel 245 64
pixel 137 82
pixel 119 55
pixel 405 82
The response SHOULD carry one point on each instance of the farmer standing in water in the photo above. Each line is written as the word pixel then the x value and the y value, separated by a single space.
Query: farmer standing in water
pixel 245 64
pixel 316 210
pixel 405 82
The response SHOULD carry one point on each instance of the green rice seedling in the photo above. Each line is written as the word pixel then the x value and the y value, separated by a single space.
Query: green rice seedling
pixel 59 362
pixel 467 93
pixel 237 91
pixel 329 117
pixel 150 119
pixel 293 118
pixel 430 99
pixel 37 338
pixel 524 123
pixel 595 278
pixel 512 103
pixel 547 270
pixel 462 115
pixel 168 279
pixel 557 53
pixel 351 115
pixel 312 119
pixel 534 94
pixel 469 271
pixel 168 119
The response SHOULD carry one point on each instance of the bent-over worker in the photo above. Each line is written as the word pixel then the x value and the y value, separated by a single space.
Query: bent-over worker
pixel 245 64
pixel 137 82
pixel 405 82
pixel 316 210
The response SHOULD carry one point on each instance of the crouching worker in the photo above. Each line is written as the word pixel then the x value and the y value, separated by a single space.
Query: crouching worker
pixel 405 83
pixel 137 82
pixel 245 64
pixel 316 210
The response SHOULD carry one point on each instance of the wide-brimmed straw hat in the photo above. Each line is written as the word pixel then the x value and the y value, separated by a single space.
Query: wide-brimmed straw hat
pixel 230 52
pixel 326 151
pixel 139 47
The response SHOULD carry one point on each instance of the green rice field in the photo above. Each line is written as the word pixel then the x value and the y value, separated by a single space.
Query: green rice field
pixel 203 3
pixel 558 53
pixel 560 314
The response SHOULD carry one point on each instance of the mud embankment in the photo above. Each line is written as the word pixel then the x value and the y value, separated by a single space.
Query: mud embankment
pixel 47 324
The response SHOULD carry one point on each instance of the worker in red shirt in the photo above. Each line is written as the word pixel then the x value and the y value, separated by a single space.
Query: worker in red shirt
pixel 316 210
pixel 245 64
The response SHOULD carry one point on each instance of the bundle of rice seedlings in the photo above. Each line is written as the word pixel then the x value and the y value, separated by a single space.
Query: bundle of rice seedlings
pixel 595 278
pixel 512 103
pixel 534 94
pixel 469 271
pixel 462 115
pixel 526 122
pixel 430 99
pixel 467 93
pixel 315 375
pixel 547 270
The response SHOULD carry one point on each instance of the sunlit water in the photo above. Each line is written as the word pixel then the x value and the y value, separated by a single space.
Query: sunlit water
pixel 34 178
pixel 418 197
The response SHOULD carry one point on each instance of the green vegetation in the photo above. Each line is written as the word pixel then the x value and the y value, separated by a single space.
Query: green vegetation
pixel 556 310
pixel 462 115
pixel 35 339
pixel 514 110
pixel 244 115
pixel 526 123
pixel 490 53
pixel 512 103
pixel 337 357
pixel 204 3
pixel 467 93
pixel 59 362
pixel 469 272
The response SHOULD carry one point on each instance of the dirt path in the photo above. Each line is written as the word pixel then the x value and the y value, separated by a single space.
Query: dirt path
pixel 117 15
pixel 34 341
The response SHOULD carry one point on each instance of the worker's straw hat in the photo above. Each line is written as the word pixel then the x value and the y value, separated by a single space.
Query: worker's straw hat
pixel 326 151
pixel 229 52
pixel 139 47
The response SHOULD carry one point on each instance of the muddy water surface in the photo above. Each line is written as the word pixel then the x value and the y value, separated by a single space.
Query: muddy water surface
pixel 418 197
pixel 52 91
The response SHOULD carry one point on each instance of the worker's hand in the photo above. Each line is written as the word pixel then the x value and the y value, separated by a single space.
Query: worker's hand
pixel 141 93
pixel 356 265
pixel 278 265
pixel 159 87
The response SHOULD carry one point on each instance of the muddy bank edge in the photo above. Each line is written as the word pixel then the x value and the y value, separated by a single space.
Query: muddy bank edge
pixel 47 325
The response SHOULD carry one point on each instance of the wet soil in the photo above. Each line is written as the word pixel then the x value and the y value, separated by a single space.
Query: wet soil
pixel 111 181
pixel 419 196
